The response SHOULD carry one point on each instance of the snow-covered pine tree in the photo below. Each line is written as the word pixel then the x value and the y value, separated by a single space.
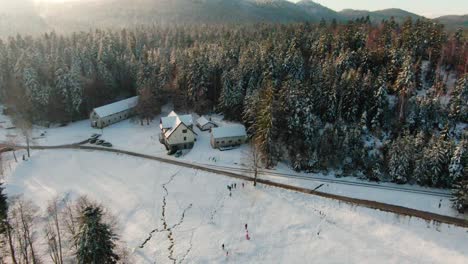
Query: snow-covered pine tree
pixel 432 167
pixel 459 162
pixel 405 85
pixel 264 127
pixel 232 95
pixel 399 165
pixel 95 239
pixel 381 105
pixel 294 62
pixel 460 196
pixel 459 101
pixel 68 84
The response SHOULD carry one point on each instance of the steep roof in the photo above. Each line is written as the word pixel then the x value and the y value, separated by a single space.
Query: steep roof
pixel 172 120
pixel 116 107
pixel 172 130
pixel 229 131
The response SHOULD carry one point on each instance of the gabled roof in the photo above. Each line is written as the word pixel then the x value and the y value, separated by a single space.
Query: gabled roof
pixel 203 121
pixel 171 131
pixel 229 131
pixel 116 107
pixel 173 119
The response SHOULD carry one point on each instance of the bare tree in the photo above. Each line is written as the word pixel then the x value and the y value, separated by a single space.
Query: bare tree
pixel 25 127
pixel 53 231
pixel 22 219
pixel 69 216
pixel 254 160
pixel 10 241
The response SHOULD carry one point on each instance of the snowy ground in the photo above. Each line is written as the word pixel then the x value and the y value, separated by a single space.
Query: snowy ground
pixel 285 227
pixel 130 135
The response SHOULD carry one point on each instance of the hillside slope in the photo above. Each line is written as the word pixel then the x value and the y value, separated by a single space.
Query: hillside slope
pixel 454 22
pixel 377 16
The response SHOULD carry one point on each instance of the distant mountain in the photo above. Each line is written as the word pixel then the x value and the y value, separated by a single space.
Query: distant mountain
pixel 317 10
pixel 22 16
pixel 454 22
pixel 376 16
pixel 112 13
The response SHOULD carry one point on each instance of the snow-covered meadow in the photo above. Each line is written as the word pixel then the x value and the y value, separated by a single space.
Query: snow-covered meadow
pixel 285 227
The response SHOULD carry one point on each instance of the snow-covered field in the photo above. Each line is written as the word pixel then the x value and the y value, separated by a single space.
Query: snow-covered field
pixel 285 227
pixel 130 135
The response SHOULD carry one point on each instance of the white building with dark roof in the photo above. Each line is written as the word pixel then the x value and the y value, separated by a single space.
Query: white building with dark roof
pixel 177 132
pixel 204 124
pixel 112 113
pixel 228 136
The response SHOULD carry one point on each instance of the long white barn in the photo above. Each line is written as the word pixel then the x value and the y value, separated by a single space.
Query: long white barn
pixel 228 136
pixel 112 113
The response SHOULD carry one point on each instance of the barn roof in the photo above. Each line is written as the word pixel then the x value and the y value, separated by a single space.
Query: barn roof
pixel 172 120
pixel 116 107
pixel 229 131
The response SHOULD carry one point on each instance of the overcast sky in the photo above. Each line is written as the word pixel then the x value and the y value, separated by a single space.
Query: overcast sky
pixel 429 8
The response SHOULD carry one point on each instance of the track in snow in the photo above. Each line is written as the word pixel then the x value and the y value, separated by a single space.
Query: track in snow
pixel 337 181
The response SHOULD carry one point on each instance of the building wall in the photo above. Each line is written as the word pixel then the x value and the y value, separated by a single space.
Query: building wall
pixel 227 142
pixel 98 122
pixel 178 137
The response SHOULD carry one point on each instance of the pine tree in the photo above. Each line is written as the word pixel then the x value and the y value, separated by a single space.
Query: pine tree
pixel 381 106
pixel 264 124
pixel 95 240
pixel 458 162
pixel 432 167
pixel 405 85
pixel 68 84
pixel 459 101
pixel 460 196
pixel 400 160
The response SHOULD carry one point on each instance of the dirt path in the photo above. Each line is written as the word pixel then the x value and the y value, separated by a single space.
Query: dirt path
pixel 400 210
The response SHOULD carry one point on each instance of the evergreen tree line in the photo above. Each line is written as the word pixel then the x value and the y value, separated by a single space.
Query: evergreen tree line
pixel 73 232
pixel 387 100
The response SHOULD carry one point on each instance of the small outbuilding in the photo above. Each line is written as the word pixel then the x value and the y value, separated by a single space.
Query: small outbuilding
pixel 228 136
pixel 177 132
pixel 204 124
pixel 112 113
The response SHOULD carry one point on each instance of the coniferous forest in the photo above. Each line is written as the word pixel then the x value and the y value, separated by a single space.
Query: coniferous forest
pixel 388 102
